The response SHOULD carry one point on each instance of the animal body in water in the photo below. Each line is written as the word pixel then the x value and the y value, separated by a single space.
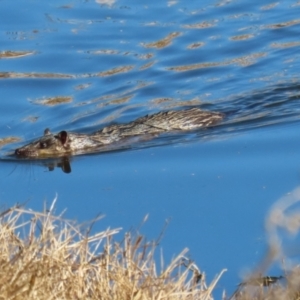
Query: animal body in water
pixel 70 143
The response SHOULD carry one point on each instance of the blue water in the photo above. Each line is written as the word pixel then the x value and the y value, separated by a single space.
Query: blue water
pixel 120 60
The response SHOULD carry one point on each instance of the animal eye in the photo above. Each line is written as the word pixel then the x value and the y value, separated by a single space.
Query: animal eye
pixel 43 145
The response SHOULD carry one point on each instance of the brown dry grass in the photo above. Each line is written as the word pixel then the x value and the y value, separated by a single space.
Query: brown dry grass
pixel 43 256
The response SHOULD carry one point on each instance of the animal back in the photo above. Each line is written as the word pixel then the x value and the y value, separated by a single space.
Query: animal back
pixel 188 119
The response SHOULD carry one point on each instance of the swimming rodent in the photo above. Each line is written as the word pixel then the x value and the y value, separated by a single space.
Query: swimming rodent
pixel 70 143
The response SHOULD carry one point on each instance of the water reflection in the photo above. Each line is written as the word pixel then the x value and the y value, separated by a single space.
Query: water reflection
pixel 106 2
pixel 163 42
pixel 62 163
pixel 4 75
pixel 243 61
pixel 52 101
pixel 15 54
pixel 9 140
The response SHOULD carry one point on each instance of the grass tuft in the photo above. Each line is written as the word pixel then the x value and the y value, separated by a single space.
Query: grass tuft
pixel 43 256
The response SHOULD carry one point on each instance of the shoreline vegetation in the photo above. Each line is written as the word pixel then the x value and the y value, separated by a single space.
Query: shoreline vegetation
pixel 44 256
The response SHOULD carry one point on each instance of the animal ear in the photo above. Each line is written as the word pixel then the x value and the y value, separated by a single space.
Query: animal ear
pixel 63 136
pixel 47 131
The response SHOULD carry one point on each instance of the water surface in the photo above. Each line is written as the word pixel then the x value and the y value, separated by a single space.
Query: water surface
pixel 81 65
